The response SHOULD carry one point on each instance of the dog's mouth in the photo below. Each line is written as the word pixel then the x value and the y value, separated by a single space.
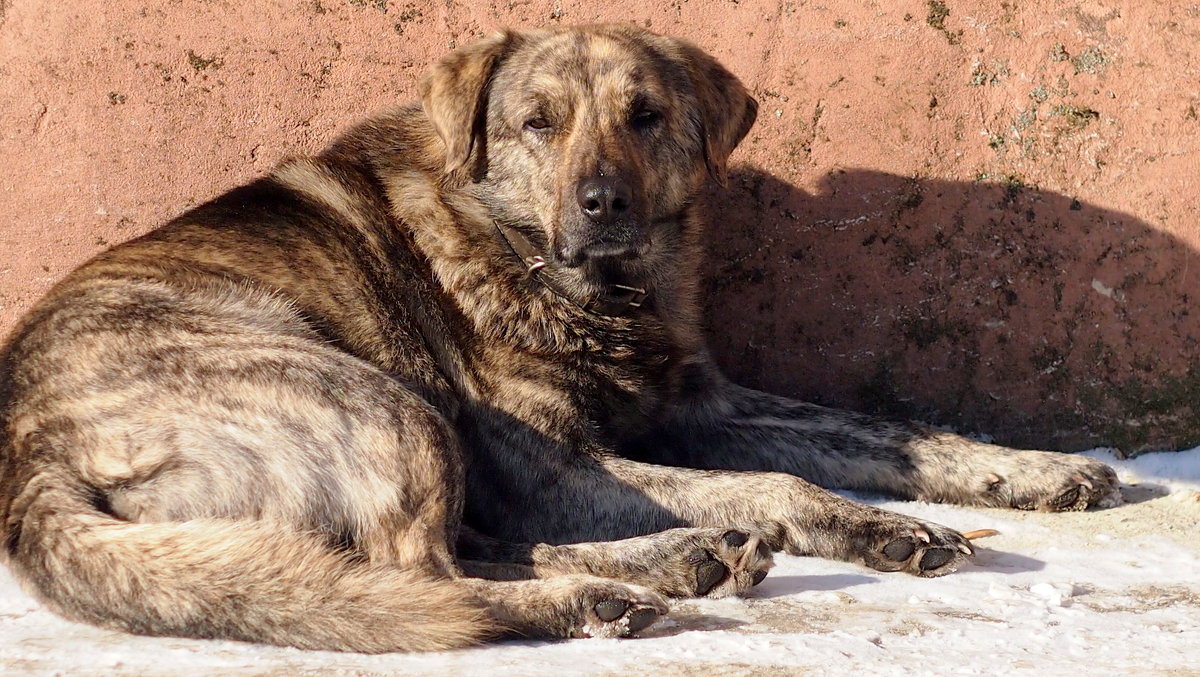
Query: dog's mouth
pixel 606 280
pixel 606 264
pixel 612 271
pixel 602 253
pixel 623 247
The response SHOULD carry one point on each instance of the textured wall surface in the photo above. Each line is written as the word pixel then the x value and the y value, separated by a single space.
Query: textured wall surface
pixel 980 214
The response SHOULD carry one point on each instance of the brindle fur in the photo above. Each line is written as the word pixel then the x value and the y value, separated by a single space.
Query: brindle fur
pixel 277 417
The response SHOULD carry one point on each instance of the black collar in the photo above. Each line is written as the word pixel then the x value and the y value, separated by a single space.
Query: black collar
pixel 618 301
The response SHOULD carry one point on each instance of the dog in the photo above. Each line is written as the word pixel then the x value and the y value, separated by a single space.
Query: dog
pixel 446 381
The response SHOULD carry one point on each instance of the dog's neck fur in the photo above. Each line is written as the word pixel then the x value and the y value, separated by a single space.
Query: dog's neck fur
pixel 473 263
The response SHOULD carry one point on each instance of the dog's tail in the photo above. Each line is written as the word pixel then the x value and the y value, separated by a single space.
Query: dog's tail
pixel 224 579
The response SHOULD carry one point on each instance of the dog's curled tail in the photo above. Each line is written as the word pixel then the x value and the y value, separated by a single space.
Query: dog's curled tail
pixel 224 579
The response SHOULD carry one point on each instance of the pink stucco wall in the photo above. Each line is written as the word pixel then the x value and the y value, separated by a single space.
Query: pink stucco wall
pixel 981 214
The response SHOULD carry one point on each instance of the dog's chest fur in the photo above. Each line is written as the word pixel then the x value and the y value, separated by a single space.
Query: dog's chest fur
pixel 518 349
pixel 614 391
pixel 558 370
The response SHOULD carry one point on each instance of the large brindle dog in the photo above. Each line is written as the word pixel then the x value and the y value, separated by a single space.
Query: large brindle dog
pixel 390 397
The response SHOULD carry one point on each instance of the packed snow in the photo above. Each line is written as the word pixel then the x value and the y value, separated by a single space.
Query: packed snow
pixel 1111 592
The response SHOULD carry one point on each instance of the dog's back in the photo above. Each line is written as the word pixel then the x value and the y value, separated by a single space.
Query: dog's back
pixel 183 452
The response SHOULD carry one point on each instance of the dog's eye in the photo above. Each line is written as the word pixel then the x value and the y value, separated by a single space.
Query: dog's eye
pixel 646 118
pixel 537 124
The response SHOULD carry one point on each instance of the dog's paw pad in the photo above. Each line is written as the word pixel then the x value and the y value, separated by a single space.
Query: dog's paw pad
pixel 735 538
pixel 641 618
pixel 621 615
pixel 924 549
pixel 610 609
pixel 743 559
pixel 900 550
pixel 708 575
pixel 703 562
pixel 936 558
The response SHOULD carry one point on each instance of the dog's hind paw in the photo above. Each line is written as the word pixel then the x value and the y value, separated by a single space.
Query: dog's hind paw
pixel 573 605
pixel 704 562
pixel 612 609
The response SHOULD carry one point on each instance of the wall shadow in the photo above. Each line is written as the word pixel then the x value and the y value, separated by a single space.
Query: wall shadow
pixel 988 306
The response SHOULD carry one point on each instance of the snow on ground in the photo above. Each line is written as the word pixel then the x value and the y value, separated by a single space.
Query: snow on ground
pixel 1112 592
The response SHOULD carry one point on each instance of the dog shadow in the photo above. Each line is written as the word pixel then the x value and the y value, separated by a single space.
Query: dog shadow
pixel 774 587
pixel 683 620
pixel 986 306
pixel 1143 492
pixel 792 584
pixel 1004 562
pixel 986 560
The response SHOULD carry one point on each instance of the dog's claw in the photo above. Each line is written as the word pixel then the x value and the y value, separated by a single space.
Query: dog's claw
pixel 979 533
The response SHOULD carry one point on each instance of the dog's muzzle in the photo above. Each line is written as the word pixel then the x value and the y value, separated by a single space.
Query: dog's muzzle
pixel 605 226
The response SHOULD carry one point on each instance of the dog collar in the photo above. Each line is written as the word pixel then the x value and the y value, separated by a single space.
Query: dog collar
pixel 619 300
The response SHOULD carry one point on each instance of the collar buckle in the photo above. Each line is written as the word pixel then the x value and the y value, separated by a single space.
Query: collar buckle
pixel 534 263
pixel 617 303
pixel 636 295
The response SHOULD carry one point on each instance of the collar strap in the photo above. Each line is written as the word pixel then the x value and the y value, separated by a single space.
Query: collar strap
pixel 617 301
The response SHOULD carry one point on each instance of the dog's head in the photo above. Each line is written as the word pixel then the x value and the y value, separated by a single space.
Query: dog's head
pixel 599 136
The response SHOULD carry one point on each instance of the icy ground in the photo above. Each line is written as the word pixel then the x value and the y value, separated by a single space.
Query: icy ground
pixel 1112 592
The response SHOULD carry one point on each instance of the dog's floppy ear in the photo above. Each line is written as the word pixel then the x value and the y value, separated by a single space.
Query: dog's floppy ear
pixel 726 109
pixel 454 94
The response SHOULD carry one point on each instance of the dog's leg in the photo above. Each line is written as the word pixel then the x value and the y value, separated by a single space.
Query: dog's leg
pixel 562 606
pixel 713 562
pixel 593 496
pixel 569 606
pixel 790 514
pixel 734 428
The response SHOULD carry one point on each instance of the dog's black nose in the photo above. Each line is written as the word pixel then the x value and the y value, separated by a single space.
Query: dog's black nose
pixel 603 198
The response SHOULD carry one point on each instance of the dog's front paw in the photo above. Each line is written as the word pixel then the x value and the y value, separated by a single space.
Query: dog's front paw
pixel 899 543
pixel 1043 480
